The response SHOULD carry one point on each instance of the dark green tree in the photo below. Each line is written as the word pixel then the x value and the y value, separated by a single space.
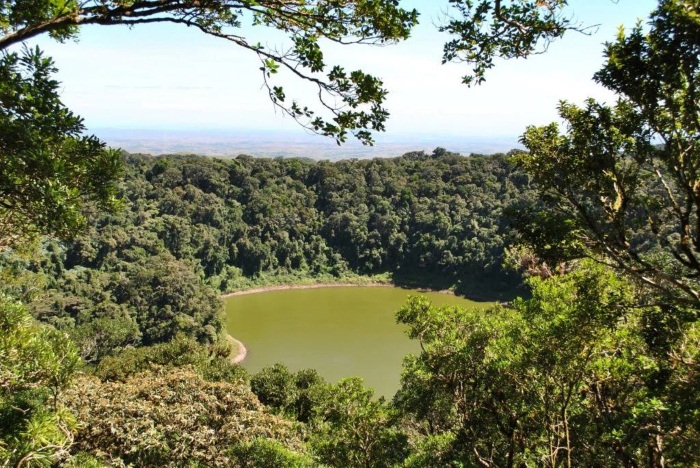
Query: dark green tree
pixel 623 181
pixel 169 299
pixel 50 173
pixel 275 387
pixel 355 430
pixel 562 379
pixel 626 177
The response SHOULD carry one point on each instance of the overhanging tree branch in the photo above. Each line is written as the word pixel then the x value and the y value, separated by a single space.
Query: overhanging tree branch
pixel 359 97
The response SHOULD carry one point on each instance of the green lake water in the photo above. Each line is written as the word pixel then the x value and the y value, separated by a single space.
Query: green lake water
pixel 341 332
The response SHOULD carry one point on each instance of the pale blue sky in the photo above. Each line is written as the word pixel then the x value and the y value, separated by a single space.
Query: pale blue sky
pixel 170 77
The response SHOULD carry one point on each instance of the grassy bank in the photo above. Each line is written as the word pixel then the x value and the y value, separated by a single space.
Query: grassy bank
pixel 478 288
pixel 303 279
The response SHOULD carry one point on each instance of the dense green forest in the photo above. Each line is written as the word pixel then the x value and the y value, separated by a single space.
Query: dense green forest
pixel 191 227
pixel 417 216
pixel 112 348
pixel 133 343
pixel 139 287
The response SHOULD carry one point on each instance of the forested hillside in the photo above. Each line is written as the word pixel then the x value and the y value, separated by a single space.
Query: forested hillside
pixel 191 227
pixel 112 346
pixel 416 216
pixel 139 288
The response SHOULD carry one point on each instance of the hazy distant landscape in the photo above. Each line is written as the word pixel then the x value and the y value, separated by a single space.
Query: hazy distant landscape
pixel 291 144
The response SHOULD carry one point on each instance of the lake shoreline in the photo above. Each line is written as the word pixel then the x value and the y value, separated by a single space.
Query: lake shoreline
pixel 241 352
pixel 287 287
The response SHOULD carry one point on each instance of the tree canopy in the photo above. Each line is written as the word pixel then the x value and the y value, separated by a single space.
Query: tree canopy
pixel 353 99
pixel 51 173
pixel 44 142
pixel 350 101
pixel 627 176
pixel 487 29
pixel 599 367
pixel 37 363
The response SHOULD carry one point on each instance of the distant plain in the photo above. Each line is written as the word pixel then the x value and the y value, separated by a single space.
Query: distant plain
pixel 231 143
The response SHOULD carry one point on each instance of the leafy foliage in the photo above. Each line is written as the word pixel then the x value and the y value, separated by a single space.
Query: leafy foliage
pixel 212 362
pixel 564 378
pixel 247 217
pixel 488 29
pixel 296 395
pixel 349 101
pixel 143 302
pixel 36 365
pixel 274 386
pixel 347 425
pixel 51 173
pixel 269 452
pixel 624 180
pixel 355 430
pixel 172 417
pixel 626 176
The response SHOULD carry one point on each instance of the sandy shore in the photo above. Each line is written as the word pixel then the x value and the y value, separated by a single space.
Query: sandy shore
pixel 284 287
pixel 242 350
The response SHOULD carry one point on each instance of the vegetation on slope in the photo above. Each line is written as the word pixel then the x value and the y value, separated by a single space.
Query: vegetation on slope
pixel 191 227
pixel 598 367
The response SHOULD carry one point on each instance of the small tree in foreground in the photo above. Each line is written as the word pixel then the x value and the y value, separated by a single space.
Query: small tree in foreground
pixel 36 365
